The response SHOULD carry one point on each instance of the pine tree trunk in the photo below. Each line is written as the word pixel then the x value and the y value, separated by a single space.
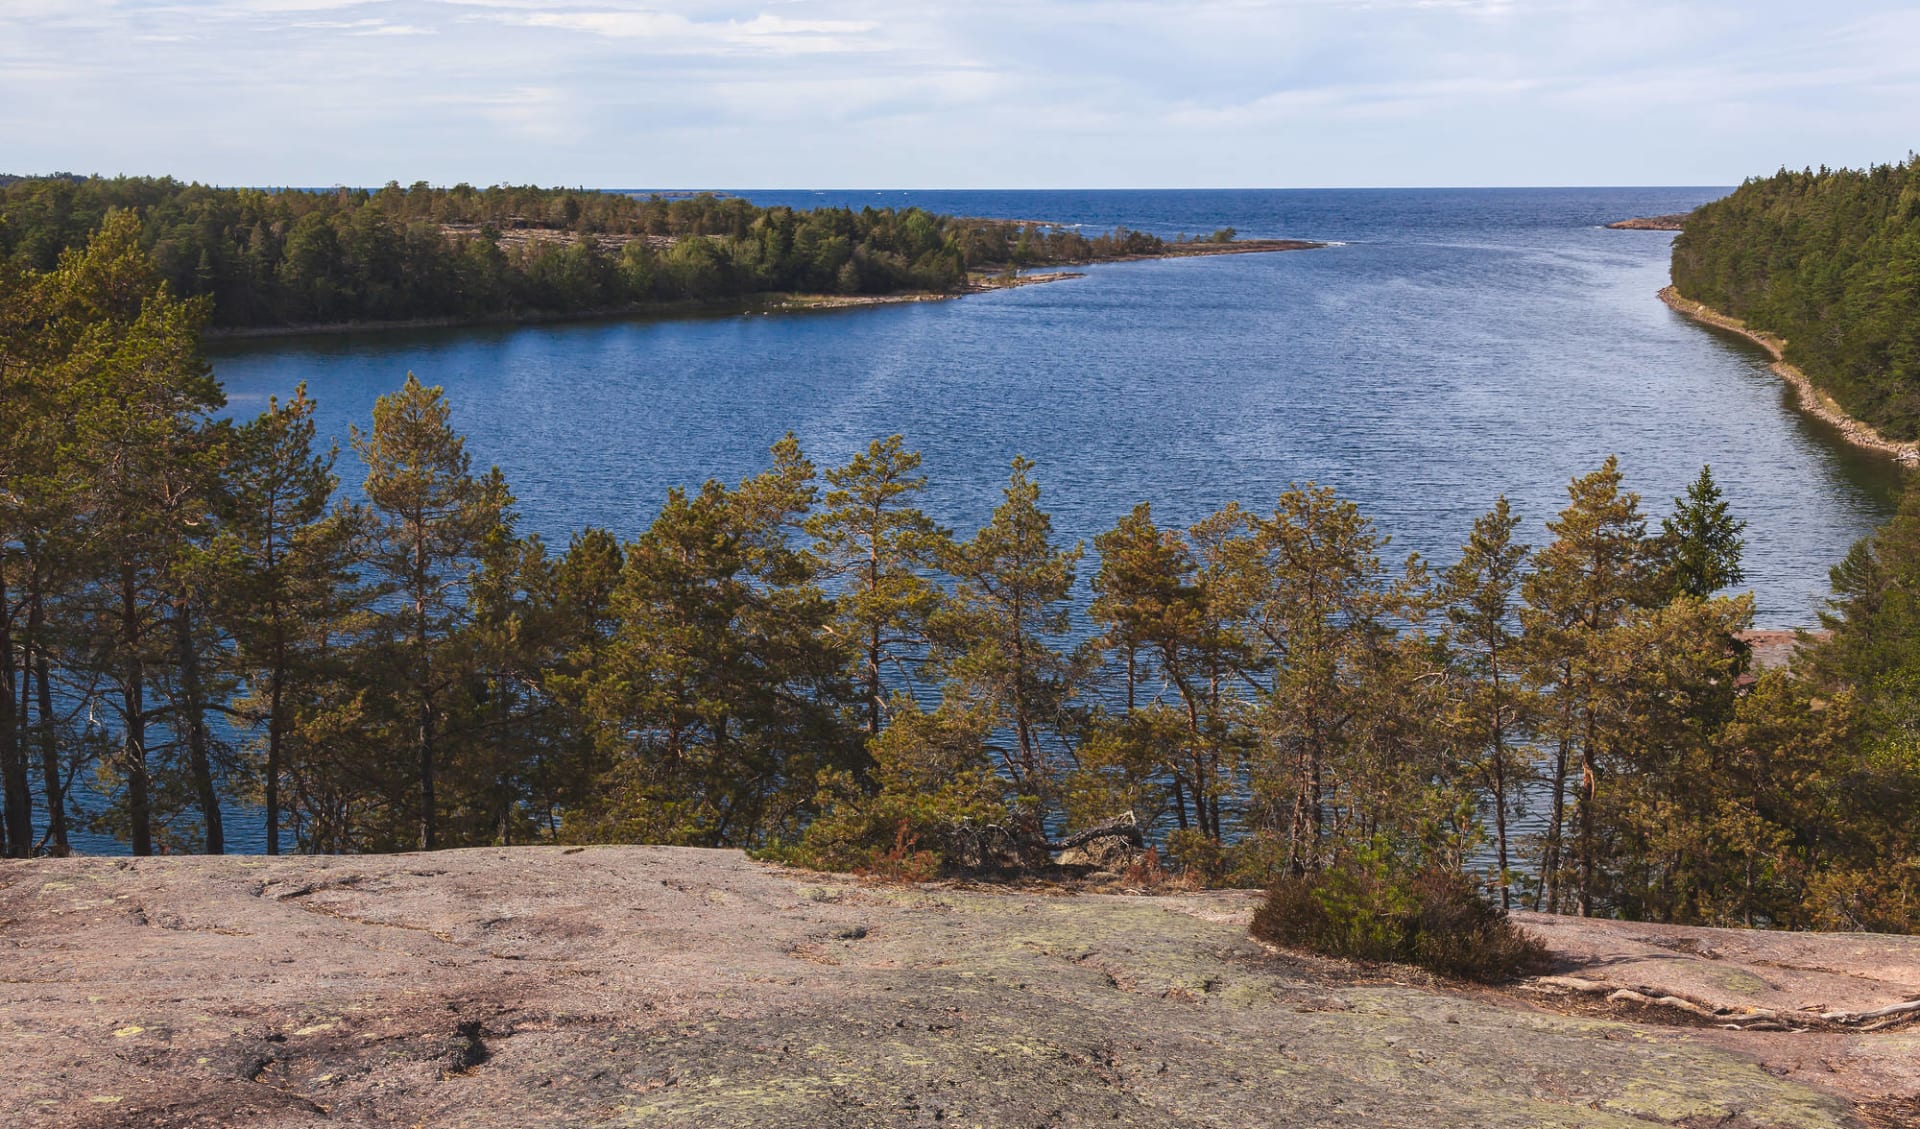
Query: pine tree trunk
pixel 1500 811
pixel 423 671
pixel 36 675
pixel 17 841
pixel 199 757
pixel 1589 790
pixel 426 775
pixel 1557 821
pixel 133 708
pixel 275 731
pixel 1556 827
pixel 51 777
pixel 874 704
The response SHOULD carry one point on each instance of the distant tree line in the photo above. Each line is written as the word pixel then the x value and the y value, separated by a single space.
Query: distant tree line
pixel 1829 260
pixel 297 257
pixel 806 663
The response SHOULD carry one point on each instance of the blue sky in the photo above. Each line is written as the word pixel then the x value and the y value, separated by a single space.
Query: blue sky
pixel 956 93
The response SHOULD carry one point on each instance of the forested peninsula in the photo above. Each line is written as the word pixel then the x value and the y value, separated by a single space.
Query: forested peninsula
pixel 1829 261
pixel 294 259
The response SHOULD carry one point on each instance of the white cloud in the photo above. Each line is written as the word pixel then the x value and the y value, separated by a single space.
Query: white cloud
pixel 672 32
pixel 955 91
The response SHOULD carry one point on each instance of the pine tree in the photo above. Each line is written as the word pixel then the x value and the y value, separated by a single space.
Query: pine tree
pixel 1157 596
pixel 564 639
pixel 431 519
pixel 1143 575
pixel 1598 569
pixel 289 580
pixel 874 546
pixel 41 483
pixel 146 449
pixel 17 454
pixel 717 697
pixel 1493 704
pixel 998 638
pixel 1339 759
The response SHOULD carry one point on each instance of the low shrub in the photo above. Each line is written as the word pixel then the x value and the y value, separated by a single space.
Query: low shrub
pixel 932 804
pixel 1365 907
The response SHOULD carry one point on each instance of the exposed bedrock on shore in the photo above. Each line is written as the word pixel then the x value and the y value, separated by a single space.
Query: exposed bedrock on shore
pixel 658 986
pixel 1651 223
pixel 1811 399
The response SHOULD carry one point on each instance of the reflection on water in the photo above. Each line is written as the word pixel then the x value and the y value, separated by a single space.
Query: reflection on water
pixel 1460 345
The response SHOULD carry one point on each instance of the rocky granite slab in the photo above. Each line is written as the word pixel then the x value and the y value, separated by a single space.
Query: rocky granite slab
pixel 667 987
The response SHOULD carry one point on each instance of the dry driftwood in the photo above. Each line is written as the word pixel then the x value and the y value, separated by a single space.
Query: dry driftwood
pixel 1122 828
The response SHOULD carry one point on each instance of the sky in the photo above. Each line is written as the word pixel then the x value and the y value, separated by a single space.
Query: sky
pixel 956 93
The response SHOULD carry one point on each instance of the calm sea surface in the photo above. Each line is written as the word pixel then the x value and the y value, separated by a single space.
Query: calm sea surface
pixel 1453 346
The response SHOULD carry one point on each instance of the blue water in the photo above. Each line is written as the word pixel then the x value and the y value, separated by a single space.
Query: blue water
pixel 1455 345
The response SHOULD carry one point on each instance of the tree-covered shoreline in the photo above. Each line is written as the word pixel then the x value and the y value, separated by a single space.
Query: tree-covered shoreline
pixel 804 663
pixel 1828 259
pixel 297 258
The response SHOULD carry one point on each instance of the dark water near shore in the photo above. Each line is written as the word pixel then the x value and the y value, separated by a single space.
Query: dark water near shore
pixel 1456 345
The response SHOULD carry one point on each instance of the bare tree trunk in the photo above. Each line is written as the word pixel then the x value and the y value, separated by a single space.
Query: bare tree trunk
pixel 17 840
pixel 423 671
pixel 193 704
pixel 1500 811
pixel 48 740
pixel 276 695
pixel 1557 821
pixel 133 708
pixel 426 774
pixel 1589 791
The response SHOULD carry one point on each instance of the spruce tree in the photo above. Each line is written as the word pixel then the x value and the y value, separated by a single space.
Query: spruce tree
pixel 1700 542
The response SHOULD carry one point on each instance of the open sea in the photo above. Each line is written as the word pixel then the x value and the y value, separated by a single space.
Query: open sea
pixel 1448 347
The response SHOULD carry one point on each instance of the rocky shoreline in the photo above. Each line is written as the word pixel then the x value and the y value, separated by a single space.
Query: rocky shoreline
pixel 529 987
pixel 1650 223
pixel 1811 399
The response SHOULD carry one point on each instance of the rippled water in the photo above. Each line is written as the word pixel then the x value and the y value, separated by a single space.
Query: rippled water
pixel 1457 344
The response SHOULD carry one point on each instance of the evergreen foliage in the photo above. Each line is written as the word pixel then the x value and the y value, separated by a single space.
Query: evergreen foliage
pixel 293 257
pixel 804 663
pixel 1829 260
pixel 1368 905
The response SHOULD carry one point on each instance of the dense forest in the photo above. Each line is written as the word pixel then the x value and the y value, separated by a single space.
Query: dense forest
pixel 1829 260
pixel 194 615
pixel 294 257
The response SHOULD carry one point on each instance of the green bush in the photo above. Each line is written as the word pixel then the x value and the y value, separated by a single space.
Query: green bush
pixel 931 804
pixel 1366 907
